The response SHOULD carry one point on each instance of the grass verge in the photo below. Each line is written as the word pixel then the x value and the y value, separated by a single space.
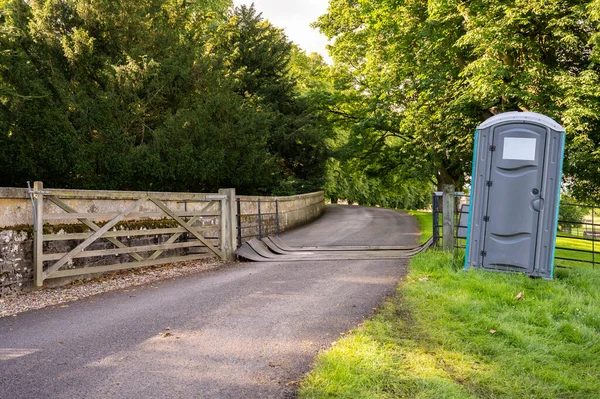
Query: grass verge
pixel 425 221
pixel 454 334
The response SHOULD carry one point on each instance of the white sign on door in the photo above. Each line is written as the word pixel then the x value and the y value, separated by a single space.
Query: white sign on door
pixel 519 148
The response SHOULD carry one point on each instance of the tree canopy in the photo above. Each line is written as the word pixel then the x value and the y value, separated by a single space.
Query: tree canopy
pixel 153 94
pixel 193 95
pixel 414 78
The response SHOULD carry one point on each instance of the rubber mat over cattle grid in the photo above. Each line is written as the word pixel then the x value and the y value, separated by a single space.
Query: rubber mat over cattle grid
pixel 273 249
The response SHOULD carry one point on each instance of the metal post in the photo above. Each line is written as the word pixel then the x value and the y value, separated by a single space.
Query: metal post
pixel 593 237
pixel 436 219
pixel 448 199
pixel 239 223
pixel 259 221
pixel 38 235
pixel 276 216
pixel 456 221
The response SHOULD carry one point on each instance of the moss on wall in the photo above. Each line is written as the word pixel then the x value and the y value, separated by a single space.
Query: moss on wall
pixel 81 228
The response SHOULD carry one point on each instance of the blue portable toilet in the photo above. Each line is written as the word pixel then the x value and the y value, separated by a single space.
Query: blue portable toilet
pixel 515 193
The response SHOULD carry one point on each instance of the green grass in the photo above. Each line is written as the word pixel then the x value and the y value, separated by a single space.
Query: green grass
pixel 564 241
pixel 454 334
pixel 425 221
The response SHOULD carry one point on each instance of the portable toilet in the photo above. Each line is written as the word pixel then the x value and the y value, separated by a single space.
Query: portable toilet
pixel 515 193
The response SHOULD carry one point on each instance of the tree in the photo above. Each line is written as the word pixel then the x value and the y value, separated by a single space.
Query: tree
pixel 152 94
pixel 570 214
pixel 259 58
pixel 415 78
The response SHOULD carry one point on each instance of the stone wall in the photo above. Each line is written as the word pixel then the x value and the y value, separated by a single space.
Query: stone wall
pixel 16 230
pixel 16 261
pixel 293 211
pixel 16 258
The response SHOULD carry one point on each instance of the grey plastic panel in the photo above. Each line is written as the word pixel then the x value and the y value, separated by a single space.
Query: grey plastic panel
pixel 515 117
pixel 515 193
pixel 463 221
pixel 511 231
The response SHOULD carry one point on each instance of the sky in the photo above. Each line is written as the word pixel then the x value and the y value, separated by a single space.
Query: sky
pixel 295 16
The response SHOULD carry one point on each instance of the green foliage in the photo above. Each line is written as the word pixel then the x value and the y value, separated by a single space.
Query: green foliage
pixel 570 214
pixel 161 94
pixel 349 178
pixel 260 59
pixel 348 182
pixel 454 334
pixel 413 79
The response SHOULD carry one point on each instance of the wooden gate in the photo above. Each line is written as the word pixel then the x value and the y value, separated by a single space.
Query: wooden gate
pixel 104 224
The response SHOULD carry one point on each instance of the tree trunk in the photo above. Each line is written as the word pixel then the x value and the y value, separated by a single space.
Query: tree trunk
pixel 443 178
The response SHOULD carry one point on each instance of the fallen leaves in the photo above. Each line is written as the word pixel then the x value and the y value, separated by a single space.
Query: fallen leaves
pixel 426 278
pixel 520 296
pixel 167 333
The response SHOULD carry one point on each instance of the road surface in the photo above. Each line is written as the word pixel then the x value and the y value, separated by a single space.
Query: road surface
pixel 251 330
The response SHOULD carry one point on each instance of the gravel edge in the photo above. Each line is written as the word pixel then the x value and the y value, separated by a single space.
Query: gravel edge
pixel 79 289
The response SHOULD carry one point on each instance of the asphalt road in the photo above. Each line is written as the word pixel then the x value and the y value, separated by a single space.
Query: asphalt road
pixel 246 331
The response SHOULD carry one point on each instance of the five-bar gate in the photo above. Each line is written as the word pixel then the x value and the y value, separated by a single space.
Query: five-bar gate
pixel 183 226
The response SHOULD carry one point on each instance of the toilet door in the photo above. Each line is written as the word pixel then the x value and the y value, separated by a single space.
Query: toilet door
pixel 515 186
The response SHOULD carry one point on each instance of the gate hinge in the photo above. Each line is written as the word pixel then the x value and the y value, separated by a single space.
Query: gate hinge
pixel 486 218
pixel 483 253
pixel 492 148
pixel 489 183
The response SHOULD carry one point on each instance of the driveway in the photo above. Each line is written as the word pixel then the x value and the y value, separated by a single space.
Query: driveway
pixel 251 330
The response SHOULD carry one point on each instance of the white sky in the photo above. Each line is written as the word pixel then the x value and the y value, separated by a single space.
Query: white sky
pixel 295 16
